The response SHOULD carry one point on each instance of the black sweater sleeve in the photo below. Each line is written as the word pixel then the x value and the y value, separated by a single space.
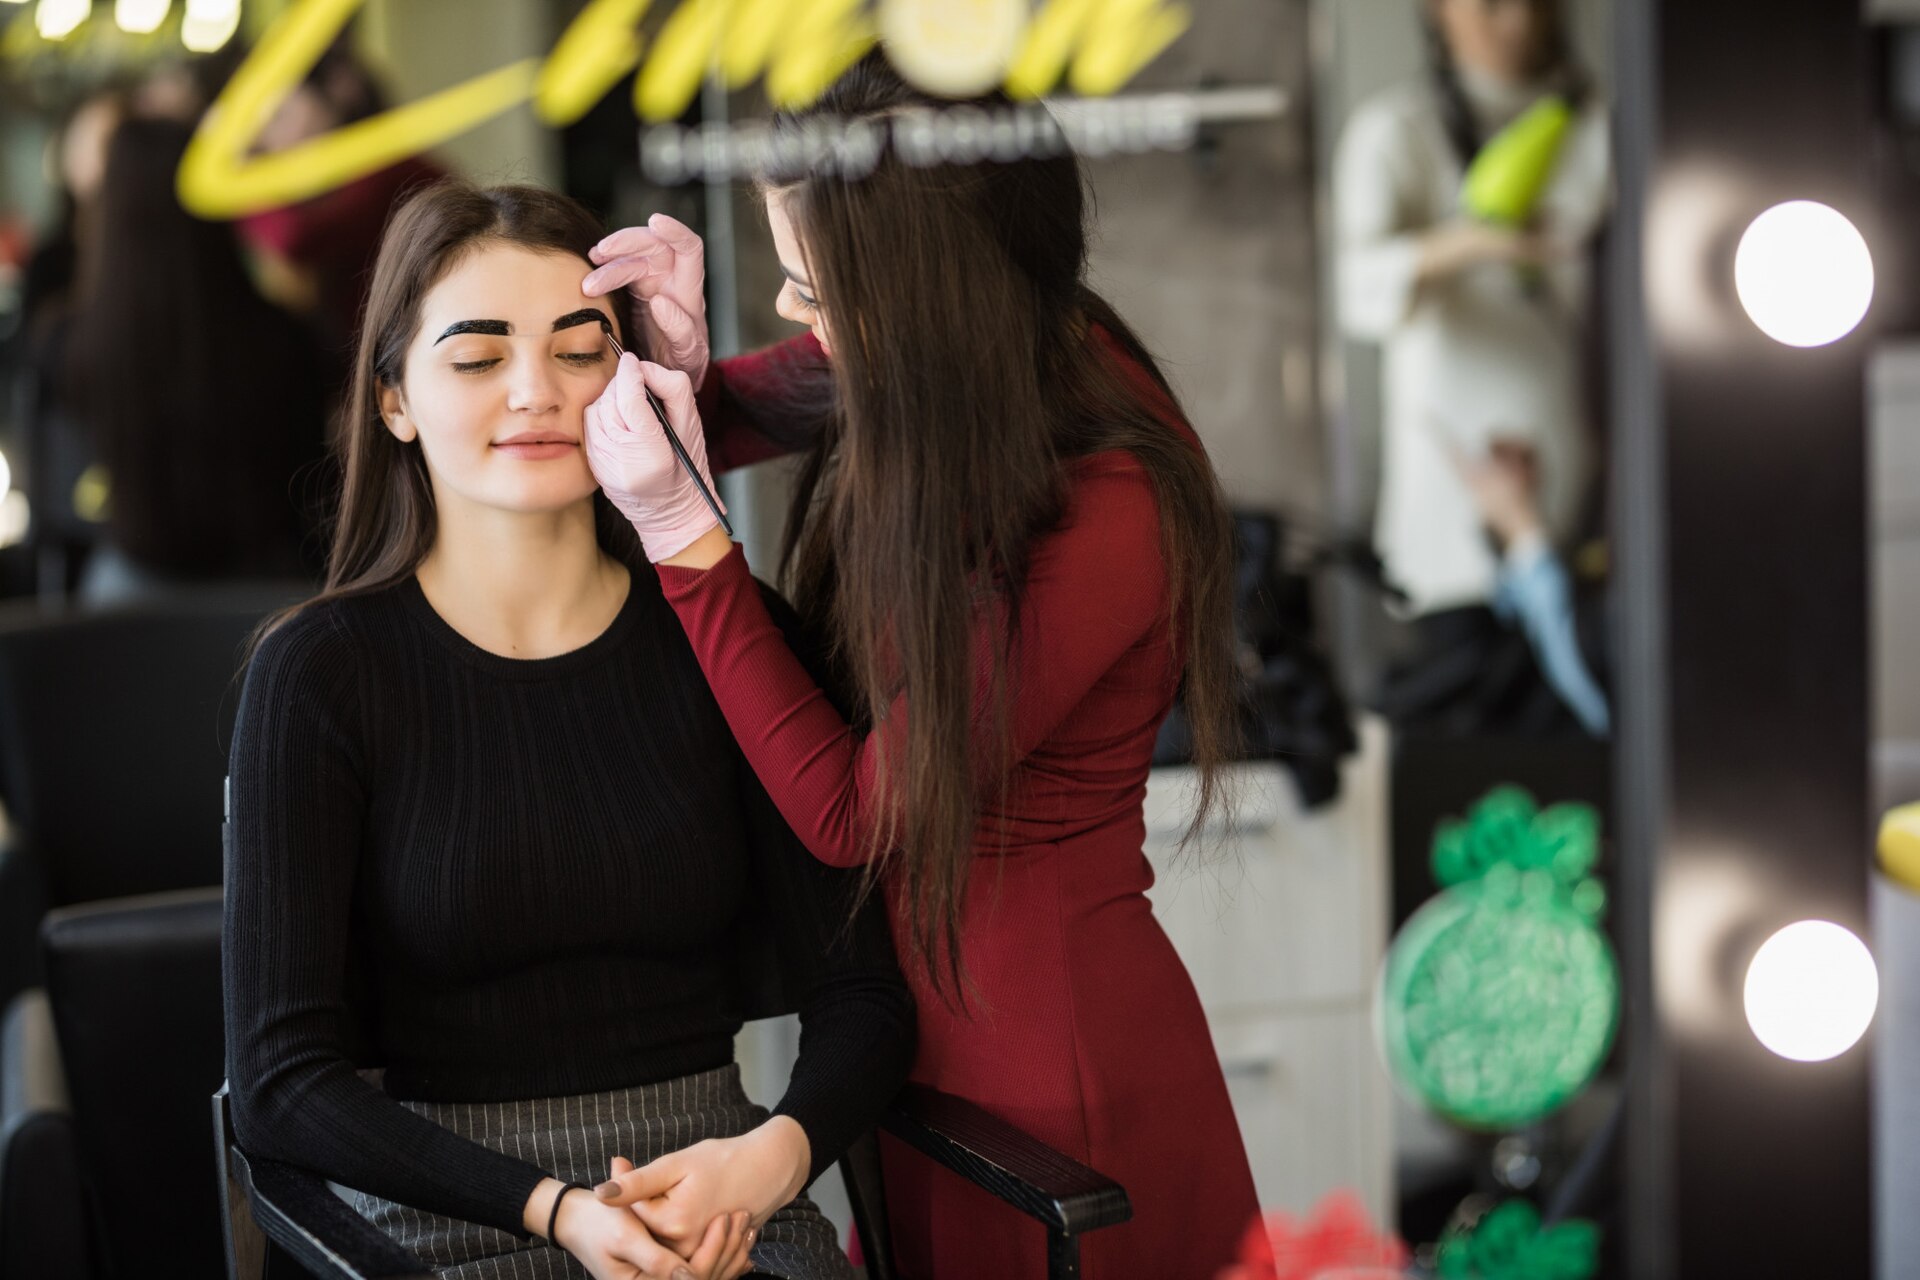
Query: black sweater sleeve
pixel 838 968
pixel 297 812
pixel 827 952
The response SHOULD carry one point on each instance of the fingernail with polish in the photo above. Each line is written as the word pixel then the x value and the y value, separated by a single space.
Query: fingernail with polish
pixel 683 1274
pixel 607 1190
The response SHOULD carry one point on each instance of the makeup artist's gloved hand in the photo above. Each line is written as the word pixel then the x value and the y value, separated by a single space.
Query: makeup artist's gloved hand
pixel 666 266
pixel 636 466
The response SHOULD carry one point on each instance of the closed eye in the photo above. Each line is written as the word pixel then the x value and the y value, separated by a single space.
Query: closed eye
pixel 582 359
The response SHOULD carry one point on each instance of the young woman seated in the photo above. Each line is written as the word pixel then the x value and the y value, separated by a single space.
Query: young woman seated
pixel 490 836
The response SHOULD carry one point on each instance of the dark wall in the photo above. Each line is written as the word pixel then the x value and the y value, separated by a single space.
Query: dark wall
pixel 1740 512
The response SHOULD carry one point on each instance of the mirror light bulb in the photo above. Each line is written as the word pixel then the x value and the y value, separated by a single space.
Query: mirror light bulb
pixel 1804 274
pixel 1811 991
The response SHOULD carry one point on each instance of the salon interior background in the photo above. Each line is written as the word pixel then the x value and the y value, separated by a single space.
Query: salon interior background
pixel 1220 255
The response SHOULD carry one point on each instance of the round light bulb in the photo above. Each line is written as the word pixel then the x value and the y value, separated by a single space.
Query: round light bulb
pixel 140 17
pixel 952 47
pixel 1804 274
pixel 209 24
pixel 15 518
pixel 58 19
pixel 1811 991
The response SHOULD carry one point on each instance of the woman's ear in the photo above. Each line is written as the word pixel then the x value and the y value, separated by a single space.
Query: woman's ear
pixel 393 411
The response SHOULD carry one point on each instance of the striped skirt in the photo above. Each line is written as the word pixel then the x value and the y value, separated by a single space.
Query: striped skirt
pixel 575 1139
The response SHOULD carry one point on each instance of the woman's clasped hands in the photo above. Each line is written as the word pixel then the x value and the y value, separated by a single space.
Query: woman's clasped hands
pixel 705 1204
pixel 613 1243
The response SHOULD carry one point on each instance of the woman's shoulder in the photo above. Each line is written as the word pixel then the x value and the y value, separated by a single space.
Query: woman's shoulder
pixel 1391 115
pixel 322 637
pixel 1108 474
pixel 1111 513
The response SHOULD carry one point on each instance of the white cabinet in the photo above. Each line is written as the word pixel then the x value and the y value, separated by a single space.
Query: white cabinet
pixel 1282 921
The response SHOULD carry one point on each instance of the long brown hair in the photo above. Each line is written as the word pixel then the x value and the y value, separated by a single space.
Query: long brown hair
pixel 1558 67
pixel 966 377
pixel 386 521
pixel 216 402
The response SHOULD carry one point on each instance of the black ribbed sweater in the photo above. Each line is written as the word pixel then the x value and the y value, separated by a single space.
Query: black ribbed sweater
pixel 511 879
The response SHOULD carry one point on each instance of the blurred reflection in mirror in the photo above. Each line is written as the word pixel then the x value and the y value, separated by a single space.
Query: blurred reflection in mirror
pixel 1466 205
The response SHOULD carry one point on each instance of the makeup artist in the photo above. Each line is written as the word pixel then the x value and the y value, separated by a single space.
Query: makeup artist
pixel 1018 551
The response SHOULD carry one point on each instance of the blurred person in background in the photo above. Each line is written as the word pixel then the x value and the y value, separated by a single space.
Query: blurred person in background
pixel 202 403
pixel 1485 325
pixel 79 156
pixel 183 88
pixel 317 256
pixel 1534 591
pixel 53 451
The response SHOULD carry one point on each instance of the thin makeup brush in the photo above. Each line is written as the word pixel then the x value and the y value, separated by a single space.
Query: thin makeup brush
pixel 679 450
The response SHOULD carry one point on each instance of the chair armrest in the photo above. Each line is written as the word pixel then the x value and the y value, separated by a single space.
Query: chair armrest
pixel 43 1227
pixel 298 1211
pixel 23 901
pixel 1042 1183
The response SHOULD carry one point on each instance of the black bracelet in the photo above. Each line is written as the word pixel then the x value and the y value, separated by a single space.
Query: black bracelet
pixel 555 1215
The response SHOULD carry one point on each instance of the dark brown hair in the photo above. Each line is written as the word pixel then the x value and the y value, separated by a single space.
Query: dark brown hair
pixel 967 376
pixel 1558 66
pixel 202 399
pixel 386 520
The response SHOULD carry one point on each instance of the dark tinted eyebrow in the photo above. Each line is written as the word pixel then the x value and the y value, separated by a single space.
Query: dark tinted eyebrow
pixel 585 315
pixel 788 273
pixel 501 329
pixel 497 328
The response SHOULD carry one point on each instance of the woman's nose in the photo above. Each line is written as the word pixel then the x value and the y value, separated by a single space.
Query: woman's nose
pixel 787 309
pixel 532 387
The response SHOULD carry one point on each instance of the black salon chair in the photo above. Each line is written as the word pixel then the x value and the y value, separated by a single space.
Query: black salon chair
pixel 118 1051
pixel 284 1221
pixel 113 727
pixel 43 1224
pixel 113 735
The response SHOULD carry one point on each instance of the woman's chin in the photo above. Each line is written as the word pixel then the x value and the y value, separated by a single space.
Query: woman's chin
pixel 550 499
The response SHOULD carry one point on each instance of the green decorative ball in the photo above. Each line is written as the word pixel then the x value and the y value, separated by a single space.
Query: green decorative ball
pixel 1501 997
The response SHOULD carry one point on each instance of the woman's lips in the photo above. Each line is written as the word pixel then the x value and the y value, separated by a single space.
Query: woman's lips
pixel 532 450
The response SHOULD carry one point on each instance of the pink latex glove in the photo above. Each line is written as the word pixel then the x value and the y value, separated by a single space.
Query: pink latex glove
pixel 636 466
pixel 666 266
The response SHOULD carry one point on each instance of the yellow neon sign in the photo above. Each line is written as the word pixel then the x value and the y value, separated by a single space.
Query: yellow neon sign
pixel 796 47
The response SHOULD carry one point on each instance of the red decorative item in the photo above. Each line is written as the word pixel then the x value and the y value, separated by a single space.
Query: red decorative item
pixel 1335 1240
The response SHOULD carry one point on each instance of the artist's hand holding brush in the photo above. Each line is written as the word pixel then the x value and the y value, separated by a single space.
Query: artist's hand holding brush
pixel 634 462
pixel 664 265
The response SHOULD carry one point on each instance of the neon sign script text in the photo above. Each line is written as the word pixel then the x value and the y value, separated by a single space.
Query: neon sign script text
pixel 794 47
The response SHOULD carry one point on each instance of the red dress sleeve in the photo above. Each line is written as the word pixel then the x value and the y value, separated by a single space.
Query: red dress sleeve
pixel 742 393
pixel 1096 586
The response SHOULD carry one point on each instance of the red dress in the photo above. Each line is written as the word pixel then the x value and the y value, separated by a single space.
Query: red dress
pixel 1089 1035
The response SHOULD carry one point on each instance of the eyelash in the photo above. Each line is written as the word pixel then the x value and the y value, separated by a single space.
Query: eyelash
pixel 581 358
pixel 804 300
